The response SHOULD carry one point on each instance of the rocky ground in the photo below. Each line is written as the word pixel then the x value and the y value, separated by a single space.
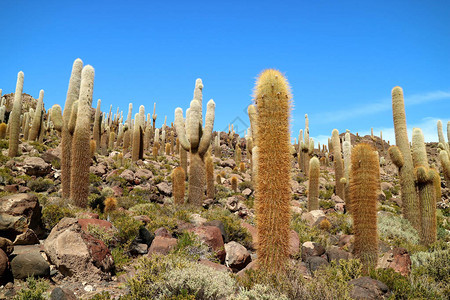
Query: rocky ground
pixel 145 245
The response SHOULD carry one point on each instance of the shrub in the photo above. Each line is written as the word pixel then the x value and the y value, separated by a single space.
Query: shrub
pixel 307 233
pixel 189 244
pixel 6 176
pixel 53 213
pixel 33 290
pixel 103 234
pixel 127 227
pixel 398 231
pixel 245 184
pixel 259 292
pixel 40 184
pixel 121 259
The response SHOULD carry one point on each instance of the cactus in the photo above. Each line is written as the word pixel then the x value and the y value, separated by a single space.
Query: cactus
pixel 217 149
pixel 80 144
pixel 73 93
pixel 154 115
pixel 410 200
pixel 445 164
pixel 210 189
pixel 136 138
pixel 110 204
pixel 38 118
pixel 3 127
pixel 126 139
pixel 364 185
pixel 97 123
pixel 167 149
pixel 112 138
pixel 273 100
pixel 313 184
pixel 425 184
pixel 92 148
pixel 178 176
pixel 441 135
pixel 242 167
pixel 196 140
pixel 234 183
pixel 57 117
pixel 14 118
pixel 338 172
pixel 237 154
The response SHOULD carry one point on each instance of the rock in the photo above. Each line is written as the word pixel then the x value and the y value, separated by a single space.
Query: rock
pixel 144 174
pixel 128 175
pixel 339 207
pixel 213 265
pixel 138 249
pixel 251 266
pixel 397 259
pixel 237 257
pixel 27 238
pixel 11 188
pixel 197 220
pixel 314 217
pixel 294 243
pixel 89 288
pixel 98 170
pixel 219 225
pixel 29 264
pixel 368 288
pixel 4 264
pixel 145 236
pixel 336 199
pixel 381 196
pixel 233 203
pixel 228 163
pixel 212 237
pixel 84 223
pixel 76 253
pixel 334 253
pixel 26 205
pixel 164 188
pixel 162 232
pixel 346 242
pixel 62 294
pixel 247 192
pixel 11 226
pixel 315 262
pixel 385 186
pixel 36 166
pixel 52 155
pixel 162 245
pixel 118 191
pixel 311 249
pixel 296 210
pixel 253 232
pixel 6 245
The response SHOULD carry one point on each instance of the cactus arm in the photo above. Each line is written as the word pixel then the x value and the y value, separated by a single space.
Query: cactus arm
pixel 195 124
pixel 209 125
pixel 181 130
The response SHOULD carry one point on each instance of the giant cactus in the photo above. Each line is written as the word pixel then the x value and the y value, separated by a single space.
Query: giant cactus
pixel 338 163
pixel 73 93
pixel 273 100
pixel 196 140
pixel 313 184
pixel 97 124
pixel 410 200
pixel 38 118
pixel 14 118
pixel 364 184
pixel 81 158
pixel 445 164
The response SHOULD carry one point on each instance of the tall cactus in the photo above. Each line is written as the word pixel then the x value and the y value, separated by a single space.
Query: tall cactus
pixel 97 124
pixel 178 185
pixel 136 138
pixel 338 163
pixel 313 184
pixel 410 200
pixel 425 184
pixel 445 164
pixel 364 184
pixel 441 135
pixel 210 188
pixel 273 100
pixel 196 140
pixel 56 116
pixel 73 93
pixel 38 118
pixel 81 158
pixel 14 118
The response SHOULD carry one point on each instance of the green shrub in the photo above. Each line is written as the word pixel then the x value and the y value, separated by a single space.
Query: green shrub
pixel 245 185
pixel 4 144
pixel 33 290
pixel 6 176
pixel 259 292
pixel 101 296
pixel 398 231
pixel 127 227
pixel 158 179
pixel 107 236
pixel 329 191
pixel 53 213
pixel 95 180
pixel 41 148
pixel 307 233
pixel 40 184
pixel 326 204
pixel 189 244
pixel 121 259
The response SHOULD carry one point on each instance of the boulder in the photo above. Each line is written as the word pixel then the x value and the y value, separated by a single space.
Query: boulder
pixel 397 259
pixel 334 253
pixel 128 175
pixel 162 245
pixel 368 288
pixel 144 174
pixel 6 245
pixel 76 253
pixel 84 223
pixel 26 205
pixel 197 220
pixel 215 266
pixel 247 192
pixel 11 226
pixel 294 243
pixel 27 238
pixel 59 293
pixel 228 163
pixel 98 170
pixel 253 232
pixel 29 264
pixel 314 217
pixel 219 225
pixel 52 155
pixel 315 262
pixel 212 237
pixel 4 264
pixel 36 166
pixel 311 249
pixel 164 188
pixel 237 257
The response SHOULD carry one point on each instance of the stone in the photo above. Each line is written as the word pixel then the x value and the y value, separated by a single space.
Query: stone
pixel 368 288
pixel 381 196
pixel 339 207
pixel 296 210
pixel 84 223
pixel 36 166
pixel 161 231
pixel 27 238
pixel 145 236
pixel 253 232
pixel 164 188
pixel 89 288
pixel 197 220
pixel 315 262
pixel 294 243
pixel 334 253
pixel 215 266
pixel 397 259
pixel 162 245
pixel 219 225
pixel 237 257
pixel 314 217
pixel 11 188
pixel 346 242
pixel 6 245
pixel 62 294
pixel 251 266
pixel 212 237
pixel 385 186
pixel 247 192
pixel 76 253
pixel 29 264
pixel 228 163
pixel 98 170
pixel 138 249
pixel 128 175
pixel 336 199
pixel 26 205
pixel 311 249
pixel 144 174
pixel 11 226
pixel 4 264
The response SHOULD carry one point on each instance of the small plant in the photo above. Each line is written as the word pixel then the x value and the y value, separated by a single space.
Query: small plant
pixel 53 213
pixel 40 184
pixel 34 290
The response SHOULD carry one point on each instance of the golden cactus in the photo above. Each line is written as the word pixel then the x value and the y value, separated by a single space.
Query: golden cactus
pixel 234 183
pixel 210 188
pixel 313 184
pixel 178 185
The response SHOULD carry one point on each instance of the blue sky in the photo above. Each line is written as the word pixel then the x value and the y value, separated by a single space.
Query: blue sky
pixel 342 58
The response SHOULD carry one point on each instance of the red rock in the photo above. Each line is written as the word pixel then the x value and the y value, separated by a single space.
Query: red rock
pixel 212 237
pixel 237 257
pixel 294 243
pixel 162 245
pixel 84 223
pixel 11 188
pixel 398 259
pixel 253 232
pixel 118 191
pixel 214 265
pixel 100 254
pixel 251 266
pixel 161 231
pixel 4 262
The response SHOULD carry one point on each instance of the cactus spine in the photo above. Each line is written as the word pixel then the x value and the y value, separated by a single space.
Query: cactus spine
pixel 410 201
pixel 81 137
pixel 14 119
pixel 339 173
pixel 364 184
pixel 313 184
pixel 425 184
pixel 273 100
pixel 197 142
pixel 178 185
pixel 38 119
pixel 73 93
